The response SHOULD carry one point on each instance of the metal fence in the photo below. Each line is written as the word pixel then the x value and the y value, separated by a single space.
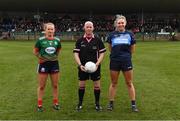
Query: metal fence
pixel 72 36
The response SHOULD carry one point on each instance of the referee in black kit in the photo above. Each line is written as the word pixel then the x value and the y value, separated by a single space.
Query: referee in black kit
pixel 89 48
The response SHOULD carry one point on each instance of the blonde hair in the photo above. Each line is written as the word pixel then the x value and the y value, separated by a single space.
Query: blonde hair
pixel 119 17
pixel 46 24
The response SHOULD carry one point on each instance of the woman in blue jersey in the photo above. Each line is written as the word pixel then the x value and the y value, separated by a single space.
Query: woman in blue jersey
pixel 121 46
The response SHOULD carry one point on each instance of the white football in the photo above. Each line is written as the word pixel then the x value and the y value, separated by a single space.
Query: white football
pixel 90 67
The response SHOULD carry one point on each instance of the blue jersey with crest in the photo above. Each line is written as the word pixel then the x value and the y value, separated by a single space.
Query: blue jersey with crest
pixel 121 45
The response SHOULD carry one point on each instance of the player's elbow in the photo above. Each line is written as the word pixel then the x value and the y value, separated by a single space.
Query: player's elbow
pixel 132 49
pixel 102 55
pixel 35 51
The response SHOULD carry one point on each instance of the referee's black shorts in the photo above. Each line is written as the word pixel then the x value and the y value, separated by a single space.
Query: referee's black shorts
pixel 121 65
pixel 89 76
pixel 48 67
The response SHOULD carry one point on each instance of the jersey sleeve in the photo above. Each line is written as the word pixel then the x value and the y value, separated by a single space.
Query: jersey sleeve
pixel 109 38
pixel 133 41
pixel 59 45
pixel 59 42
pixel 77 47
pixel 102 48
pixel 37 45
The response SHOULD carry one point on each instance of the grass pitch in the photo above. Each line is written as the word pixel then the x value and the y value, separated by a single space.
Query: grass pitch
pixel 156 79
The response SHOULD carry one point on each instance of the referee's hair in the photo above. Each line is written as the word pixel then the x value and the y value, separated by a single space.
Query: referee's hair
pixel 46 24
pixel 119 17
pixel 88 22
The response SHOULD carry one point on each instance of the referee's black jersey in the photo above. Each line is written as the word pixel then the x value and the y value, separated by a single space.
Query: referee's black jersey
pixel 89 51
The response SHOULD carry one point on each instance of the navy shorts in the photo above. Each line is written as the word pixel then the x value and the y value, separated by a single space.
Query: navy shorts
pixel 121 65
pixel 48 67
pixel 89 76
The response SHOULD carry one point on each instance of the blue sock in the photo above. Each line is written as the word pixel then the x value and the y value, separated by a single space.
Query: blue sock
pixel 133 103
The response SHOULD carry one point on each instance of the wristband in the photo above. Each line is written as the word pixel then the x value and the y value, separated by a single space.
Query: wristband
pixel 79 65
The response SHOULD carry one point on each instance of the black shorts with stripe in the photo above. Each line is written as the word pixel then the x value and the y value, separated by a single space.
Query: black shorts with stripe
pixel 48 67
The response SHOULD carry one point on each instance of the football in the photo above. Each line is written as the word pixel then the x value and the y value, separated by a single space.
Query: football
pixel 90 67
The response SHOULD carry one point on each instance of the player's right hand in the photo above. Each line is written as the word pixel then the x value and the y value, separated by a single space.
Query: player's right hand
pixel 82 68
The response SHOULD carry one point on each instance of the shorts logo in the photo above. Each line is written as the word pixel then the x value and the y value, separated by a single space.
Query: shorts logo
pixel 56 70
pixel 129 67
pixel 42 69
pixel 98 77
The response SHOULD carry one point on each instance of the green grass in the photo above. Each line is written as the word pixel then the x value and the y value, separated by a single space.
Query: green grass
pixel 156 78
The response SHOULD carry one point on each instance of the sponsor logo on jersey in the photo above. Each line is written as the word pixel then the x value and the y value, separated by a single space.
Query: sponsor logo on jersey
pixel 129 67
pixel 83 45
pixel 50 50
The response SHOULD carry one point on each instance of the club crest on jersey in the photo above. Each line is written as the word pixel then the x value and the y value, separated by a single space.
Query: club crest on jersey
pixel 50 50
pixel 116 35
pixel 55 43
pixel 50 43
pixel 94 47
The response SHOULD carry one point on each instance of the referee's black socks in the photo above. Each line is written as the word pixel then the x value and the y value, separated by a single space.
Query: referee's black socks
pixel 97 95
pixel 81 92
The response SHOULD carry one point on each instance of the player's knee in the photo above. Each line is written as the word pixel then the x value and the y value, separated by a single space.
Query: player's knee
pixel 129 84
pixel 55 86
pixel 41 88
pixel 114 84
